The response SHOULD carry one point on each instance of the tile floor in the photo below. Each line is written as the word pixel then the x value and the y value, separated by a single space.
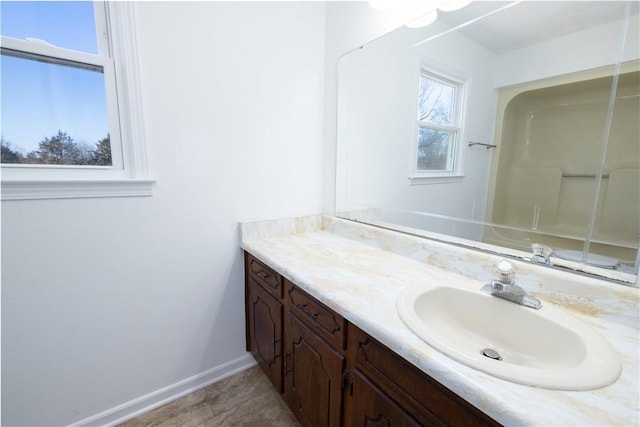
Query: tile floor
pixel 244 399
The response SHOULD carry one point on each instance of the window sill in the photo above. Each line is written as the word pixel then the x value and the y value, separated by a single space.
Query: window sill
pixel 435 179
pixel 75 189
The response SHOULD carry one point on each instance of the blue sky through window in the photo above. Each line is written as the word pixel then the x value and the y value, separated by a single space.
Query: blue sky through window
pixel 67 24
pixel 37 98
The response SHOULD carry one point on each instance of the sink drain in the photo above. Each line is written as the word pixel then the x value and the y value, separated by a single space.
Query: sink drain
pixel 491 354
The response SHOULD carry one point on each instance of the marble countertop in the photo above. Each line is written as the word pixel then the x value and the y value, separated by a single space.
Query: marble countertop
pixel 359 271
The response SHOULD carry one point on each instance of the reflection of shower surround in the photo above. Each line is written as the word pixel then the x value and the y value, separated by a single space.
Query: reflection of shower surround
pixel 548 166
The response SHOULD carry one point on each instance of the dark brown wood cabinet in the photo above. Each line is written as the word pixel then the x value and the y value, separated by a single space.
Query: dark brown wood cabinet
pixel 422 399
pixel 330 372
pixel 266 277
pixel 321 319
pixel 313 376
pixel 369 406
pixel 315 369
pixel 264 313
pixel 264 322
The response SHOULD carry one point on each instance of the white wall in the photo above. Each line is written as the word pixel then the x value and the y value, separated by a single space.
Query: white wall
pixel 584 50
pixel 106 300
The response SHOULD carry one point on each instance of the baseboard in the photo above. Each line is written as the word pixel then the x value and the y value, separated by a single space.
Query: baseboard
pixel 142 404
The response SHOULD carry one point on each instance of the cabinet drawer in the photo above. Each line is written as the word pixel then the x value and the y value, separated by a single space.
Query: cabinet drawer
pixel 418 393
pixel 263 275
pixel 316 315
pixel 372 406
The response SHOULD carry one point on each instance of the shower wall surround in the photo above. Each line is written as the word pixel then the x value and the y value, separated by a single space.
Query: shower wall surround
pixel 549 166
pixel 358 271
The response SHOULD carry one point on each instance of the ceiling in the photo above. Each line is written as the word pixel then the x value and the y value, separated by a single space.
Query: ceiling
pixel 532 21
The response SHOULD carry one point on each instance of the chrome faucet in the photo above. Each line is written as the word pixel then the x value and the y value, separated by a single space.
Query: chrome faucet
pixel 503 286
pixel 541 253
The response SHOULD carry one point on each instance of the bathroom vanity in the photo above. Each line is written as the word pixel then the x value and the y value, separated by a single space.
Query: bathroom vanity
pixel 331 372
pixel 322 323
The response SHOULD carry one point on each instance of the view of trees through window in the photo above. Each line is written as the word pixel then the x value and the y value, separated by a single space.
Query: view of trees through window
pixel 60 149
pixel 433 150
pixel 436 136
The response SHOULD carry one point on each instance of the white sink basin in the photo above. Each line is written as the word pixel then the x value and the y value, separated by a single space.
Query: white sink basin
pixel 546 348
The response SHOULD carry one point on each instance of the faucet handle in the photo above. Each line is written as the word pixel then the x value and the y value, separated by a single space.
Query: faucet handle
pixel 505 271
pixel 541 253
pixel 541 250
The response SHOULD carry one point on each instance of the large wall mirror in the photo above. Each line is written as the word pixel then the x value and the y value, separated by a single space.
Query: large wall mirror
pixel 501 125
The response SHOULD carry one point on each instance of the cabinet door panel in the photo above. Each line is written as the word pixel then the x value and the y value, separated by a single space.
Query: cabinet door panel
pixel 265 332
pixel 313 376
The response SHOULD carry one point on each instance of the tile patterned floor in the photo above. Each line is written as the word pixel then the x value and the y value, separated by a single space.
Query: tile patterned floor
pixel 245 399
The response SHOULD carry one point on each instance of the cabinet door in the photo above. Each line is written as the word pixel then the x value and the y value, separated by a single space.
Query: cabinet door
pixel 265 332
pixel 370 407
pixel 313 376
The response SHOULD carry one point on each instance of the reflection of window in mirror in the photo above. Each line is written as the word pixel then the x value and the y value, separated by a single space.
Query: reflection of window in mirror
pixel 439 126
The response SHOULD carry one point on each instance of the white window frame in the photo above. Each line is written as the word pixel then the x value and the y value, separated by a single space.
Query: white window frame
pixel 117 56
pixel 456 129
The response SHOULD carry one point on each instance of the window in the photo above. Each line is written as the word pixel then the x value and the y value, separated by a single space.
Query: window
pixel 71 121
pixel 436 154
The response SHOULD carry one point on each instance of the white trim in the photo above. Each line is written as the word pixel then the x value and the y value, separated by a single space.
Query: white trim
pixel 155 399
pixel 102 28
pixel 74 189
pixel 51 51
pixel 435 178
pixel 113 113
pixel 124 48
